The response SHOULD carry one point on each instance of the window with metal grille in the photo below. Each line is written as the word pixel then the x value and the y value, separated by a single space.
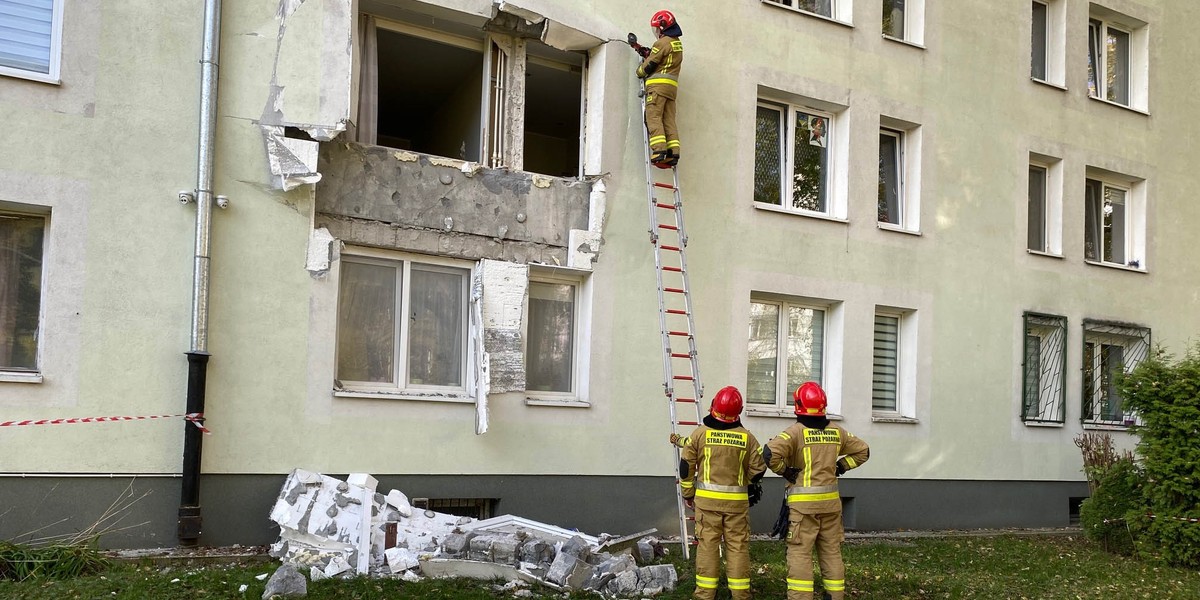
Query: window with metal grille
pixel 476 508
pixel 1044 362
pixel 1109 348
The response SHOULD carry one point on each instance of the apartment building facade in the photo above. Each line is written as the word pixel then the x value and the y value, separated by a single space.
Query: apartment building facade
pixel 433 265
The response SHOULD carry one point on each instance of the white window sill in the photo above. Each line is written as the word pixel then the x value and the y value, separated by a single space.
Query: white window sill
pixel 1105 427
pixel 1097 263
pixel 896 228
pixel 30 75
pixel 1044 253
pixel 558 402
pixel 780 413
pixel 799 213
pixel 893 418
pixel 20 377
pixel 810 14
pixel 1119 105
pixel 452 397
pixel 903 41
pixel 1043 424
pixel 1049 84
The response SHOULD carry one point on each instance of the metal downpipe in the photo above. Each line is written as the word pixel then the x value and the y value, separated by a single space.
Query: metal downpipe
pixel 189 500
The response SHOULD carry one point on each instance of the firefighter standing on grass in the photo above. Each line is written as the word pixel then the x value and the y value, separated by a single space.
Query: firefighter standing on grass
pixel 811 455
pixel 719 471
pixel 660 68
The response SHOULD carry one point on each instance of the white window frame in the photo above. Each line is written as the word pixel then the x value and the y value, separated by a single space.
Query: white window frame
pixel 909 172
pixel 1055 38
pixel 1052 216
pixel 906 364
pixel 9 374
pixel 914 24
pixel 1139 40
pixel 831 352
pixel 1134 244
pixel 840 11
pixel 582 328
pixel 54 76
pixel 835 201
pixel 403 262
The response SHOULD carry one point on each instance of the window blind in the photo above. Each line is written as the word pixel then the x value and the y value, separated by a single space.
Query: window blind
pixel 886 363
pixel 26 34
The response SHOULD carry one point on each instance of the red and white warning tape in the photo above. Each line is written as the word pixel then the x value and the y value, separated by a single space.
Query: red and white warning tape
pixel 1184 519
pixel 196 419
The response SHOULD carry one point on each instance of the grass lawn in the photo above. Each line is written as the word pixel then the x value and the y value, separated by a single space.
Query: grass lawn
pixel 1001 567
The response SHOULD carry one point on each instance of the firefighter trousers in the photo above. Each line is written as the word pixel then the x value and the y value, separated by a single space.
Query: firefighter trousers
pixel 660 122
pixel 733 528
pixel 826 533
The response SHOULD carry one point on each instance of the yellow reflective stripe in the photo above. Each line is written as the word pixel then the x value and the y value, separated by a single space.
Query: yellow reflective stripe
pixel 741 457
pixel 658 80
pixel 850 464
pixel 707 458
pixel 686 484
pixel 785 436
pixel 701 493
pixel 812 497
pixel 673 144
pixel 706 582
pixel 655 139
pixel 800 585
pixel 834 585
pixel 739 584
pixel 807 466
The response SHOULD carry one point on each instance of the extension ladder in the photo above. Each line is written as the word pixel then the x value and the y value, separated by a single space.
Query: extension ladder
pixel 675 319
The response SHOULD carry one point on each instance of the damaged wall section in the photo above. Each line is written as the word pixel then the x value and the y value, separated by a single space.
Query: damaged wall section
pixel 376 196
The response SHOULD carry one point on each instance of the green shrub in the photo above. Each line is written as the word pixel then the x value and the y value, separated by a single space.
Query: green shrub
pixel 19 562
pixel 1165 393
pixel 1117 494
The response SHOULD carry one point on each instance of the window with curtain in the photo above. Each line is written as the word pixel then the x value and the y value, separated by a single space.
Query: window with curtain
pixel 791 157
pixel 891 176
pixel 21 242
pixel 1040 34
pixel 1036 235
pixel 401 324
pixel 885 373
pixel 1110 54
pixel 1106 232
pixel 29 36
pixel 894 16
pixel 550 343
pixel 786 348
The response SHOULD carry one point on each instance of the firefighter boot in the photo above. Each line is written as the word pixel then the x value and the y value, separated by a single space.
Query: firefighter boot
pixel 672 157
pixel 660 159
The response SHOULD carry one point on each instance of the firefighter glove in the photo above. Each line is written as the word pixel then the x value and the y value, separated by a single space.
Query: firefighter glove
pixel 790 474
pixel 755 493
pixel 841 468
pixel 643 51
pixel 781 524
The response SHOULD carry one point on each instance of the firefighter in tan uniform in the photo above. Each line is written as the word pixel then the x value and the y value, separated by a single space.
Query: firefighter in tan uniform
pixel 660 68
pixel 719 475
pixel 811 455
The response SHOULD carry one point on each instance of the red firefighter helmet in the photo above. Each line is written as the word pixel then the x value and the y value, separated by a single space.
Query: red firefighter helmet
pixel 727 404
pixel 662 19
pixel 810 400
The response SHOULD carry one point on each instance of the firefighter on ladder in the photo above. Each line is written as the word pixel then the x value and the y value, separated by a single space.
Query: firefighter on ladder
pixel 660 68
pixel 719 475
pixel 811 455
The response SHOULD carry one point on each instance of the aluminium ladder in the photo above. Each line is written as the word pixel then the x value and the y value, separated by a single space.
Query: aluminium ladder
pixel 674 309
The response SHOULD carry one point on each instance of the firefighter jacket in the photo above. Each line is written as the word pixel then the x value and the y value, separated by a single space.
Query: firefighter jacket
pixel 661 68
pixel 718 464
pixel 815 457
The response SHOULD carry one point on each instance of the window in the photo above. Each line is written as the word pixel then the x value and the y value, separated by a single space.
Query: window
pixel 1117 58
pixel 1043 368
pixel 472 88
pixel 1114 215
pixel 30 38
pixel 902 20
pixel 1044 207
pixel 1109 348
pixel 894 364
pixel 834 9
pixel 552 332
pixel 1047 44
pixel 21 246
pixel 402 325
pixel 787 347
pixel 792 160
pixel 898 203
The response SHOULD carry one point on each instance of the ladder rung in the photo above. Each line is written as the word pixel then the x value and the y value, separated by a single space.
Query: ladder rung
pixel 674 290
pixel 683 378
pixel 670 227
pixel 665 186
pixel 692 423
pixel 666 206
pixel 674 248
pixel 673 269
pixel 689 400
pixel 680 355
pixel 679 333
pixel 676 311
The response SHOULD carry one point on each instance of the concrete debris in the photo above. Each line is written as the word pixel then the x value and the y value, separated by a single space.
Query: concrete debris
pixel 334 528
pixel 286 582
pixel 293 162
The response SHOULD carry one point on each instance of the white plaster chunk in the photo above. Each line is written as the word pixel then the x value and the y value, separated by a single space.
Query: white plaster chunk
pixel 597 204
pixel 480 382
pixel 396 499
pixel 448 162
pixel 583 248
pixel 320 252
pixel 567 28
pixel 406 156
pixel 542 181
pixel 293 162
pixel 313 64
pixel 401 559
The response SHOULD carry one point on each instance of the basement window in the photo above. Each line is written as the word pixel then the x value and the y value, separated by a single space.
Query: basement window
pixel 476 508
pixel 456 91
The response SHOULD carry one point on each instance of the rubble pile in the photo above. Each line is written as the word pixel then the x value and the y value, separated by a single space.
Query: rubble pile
pixel 331 528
